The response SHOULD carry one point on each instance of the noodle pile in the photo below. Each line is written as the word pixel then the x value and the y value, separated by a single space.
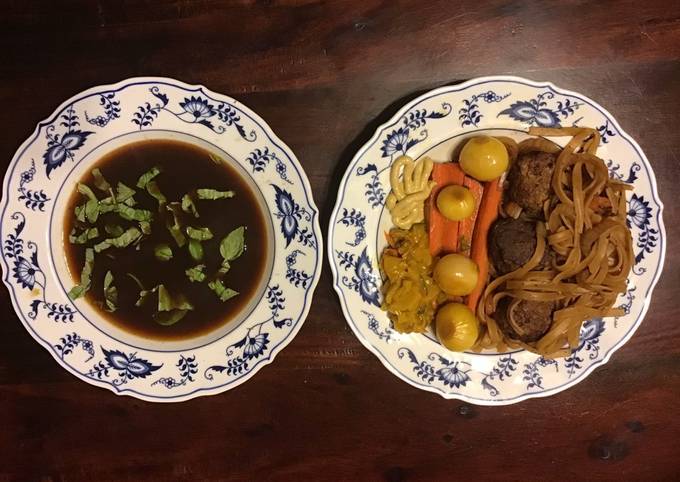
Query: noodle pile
pixel 593 248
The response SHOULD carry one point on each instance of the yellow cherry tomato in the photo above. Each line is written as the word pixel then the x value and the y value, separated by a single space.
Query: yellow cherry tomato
pixel 484 158
pixel 456 202
pixel 456 274
pixel 457 327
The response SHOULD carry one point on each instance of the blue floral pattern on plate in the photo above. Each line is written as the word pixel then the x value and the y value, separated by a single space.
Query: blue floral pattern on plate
pixel 505 106
pixel 36 276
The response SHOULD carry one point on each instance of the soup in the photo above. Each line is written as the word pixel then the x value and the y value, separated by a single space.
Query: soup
pixel 165 240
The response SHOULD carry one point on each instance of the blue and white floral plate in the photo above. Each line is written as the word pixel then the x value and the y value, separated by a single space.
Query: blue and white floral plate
pixel 39 180
pixel 433 124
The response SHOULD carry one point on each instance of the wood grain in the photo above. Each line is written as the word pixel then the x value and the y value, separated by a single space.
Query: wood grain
pixel 324 75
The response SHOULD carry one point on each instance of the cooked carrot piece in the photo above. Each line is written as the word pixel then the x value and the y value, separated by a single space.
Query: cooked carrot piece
pixel 443 232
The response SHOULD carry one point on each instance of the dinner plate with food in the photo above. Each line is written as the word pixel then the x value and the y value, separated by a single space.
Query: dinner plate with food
pixel 158 239
pixel 497 240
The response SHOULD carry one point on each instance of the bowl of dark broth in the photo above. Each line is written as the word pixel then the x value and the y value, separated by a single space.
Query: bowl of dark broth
pixel 166 241
pixel 158 239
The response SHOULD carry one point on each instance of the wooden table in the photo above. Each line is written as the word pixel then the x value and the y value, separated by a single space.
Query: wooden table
pixel 324 75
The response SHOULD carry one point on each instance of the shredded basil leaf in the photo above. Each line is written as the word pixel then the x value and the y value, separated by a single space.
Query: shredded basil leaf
pixel 174 226
pixel 168 318
pixel 153 189
pixel 133 214
pixel 148 176
pixel 196 249
pixel 124 194
pixel 110 293
pixel 83 237
pixel 85 276
pixel 79 211
pixel 92 210
pixel 233 244
pixel 167 302
pixel 224 268
pixel 113 230
pixel 122 241
pixel 222 291
pixel 196 274
pixel 199 234
pixel 213 194
pixel 86 191
pixel 99 180
pixel 188 205
pixel 162 252
pixel 145 226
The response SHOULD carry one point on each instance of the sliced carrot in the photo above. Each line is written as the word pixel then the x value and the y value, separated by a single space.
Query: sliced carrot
pixel 466 226
pixel 443 232
pixel 488 212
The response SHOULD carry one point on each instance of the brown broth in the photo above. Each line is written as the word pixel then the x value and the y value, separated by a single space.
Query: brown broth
pixel 185 168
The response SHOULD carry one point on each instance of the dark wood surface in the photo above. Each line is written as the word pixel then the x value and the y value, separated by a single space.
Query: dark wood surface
pixel 324 75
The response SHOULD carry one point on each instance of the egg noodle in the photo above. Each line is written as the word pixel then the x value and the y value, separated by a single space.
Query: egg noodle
pixel 585 225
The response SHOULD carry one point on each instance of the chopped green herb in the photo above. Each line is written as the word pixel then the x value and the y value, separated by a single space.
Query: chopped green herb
pixel 110 293
pixel 148 176
pixel 153 189
pixel 99 181
pixel 224 268
pixel 92 210
pixel 167 302
pixel 122 241
pixel 173 225
pixel 196 273
pixel 168 318
pixel 162 252
pixel 83 237
pixel 84 285
pixel 124 194
pixel 233 244
pixel 199 234
pixel 213 194
pixel 145 226
pixel 80 213
pixel 133 214
pixel 113 230
pixel 222 291
pixel 85 190
pixel 196 249
pixel 188 205
pixel 144 295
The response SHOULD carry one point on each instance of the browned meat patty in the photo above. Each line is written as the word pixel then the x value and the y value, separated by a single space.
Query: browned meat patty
pixel 512 242
pixel 529 181
pixel 532 319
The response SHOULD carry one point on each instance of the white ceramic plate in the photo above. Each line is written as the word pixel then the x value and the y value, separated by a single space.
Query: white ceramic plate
pixel 433 124
pixel 39 181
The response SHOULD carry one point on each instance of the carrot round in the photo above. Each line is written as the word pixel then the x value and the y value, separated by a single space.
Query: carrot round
pixel 488 212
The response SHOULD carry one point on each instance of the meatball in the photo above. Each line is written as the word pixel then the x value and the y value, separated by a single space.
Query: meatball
pixel 512 242
pixel 529 181
pixel 532 319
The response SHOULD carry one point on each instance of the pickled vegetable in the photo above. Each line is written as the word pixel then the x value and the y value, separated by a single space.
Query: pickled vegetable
pixel 456 275
pixel 457 327
pixel 411 294
pixel 456 202
pixel 484 158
